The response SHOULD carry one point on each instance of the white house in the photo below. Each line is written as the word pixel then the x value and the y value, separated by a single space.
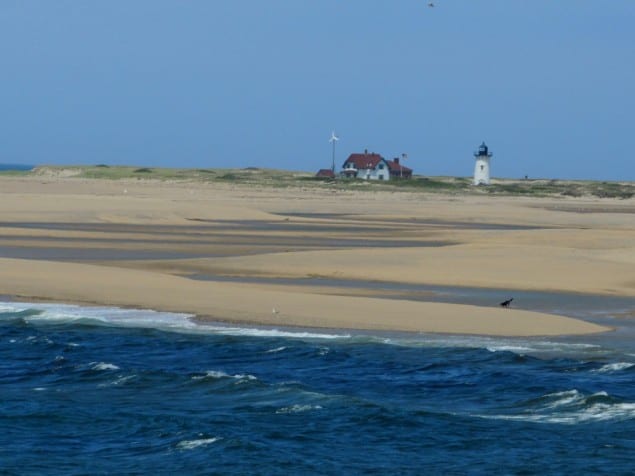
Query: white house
pixel 371 166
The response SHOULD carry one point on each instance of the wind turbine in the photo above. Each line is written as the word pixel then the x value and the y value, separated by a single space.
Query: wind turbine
pixel 333 140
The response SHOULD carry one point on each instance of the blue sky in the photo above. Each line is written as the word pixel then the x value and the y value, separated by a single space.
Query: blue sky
pixel 549 85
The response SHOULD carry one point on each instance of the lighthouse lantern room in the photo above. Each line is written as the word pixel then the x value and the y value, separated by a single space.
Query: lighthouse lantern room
pixel 481 168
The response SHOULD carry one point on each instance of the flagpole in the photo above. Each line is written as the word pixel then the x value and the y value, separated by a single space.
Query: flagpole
pixel 403 156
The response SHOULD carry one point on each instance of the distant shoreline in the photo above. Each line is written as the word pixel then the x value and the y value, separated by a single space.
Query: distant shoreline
pixel 522 187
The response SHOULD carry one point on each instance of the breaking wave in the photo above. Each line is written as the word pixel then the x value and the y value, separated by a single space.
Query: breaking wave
pixel 41 313
pixel 193 444
pixel 572 407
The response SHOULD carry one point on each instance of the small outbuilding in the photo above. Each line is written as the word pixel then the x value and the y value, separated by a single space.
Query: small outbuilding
pixel 325 173
pixel 397 170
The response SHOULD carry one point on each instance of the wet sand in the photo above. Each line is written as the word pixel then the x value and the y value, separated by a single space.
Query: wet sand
pixel 135 243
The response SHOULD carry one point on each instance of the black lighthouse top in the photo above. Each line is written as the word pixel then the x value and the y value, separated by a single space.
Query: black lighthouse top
pixel 482 151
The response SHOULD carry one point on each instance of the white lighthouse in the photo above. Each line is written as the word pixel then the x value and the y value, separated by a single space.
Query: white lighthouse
pixel 481 168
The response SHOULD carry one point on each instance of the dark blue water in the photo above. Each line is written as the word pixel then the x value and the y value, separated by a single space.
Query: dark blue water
pixel 15 167
pixel 110 391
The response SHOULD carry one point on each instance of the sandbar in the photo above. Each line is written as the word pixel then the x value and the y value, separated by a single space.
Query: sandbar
pixel 134 244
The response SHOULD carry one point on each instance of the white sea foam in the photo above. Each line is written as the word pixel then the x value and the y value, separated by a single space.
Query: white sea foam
pixel 7 307
pixel 516 349
pixel 517 345
pixel 255 332
pixel 103 366
pixel 276 350
pixel 118 381
pixel 39 340
pixel 614 367
pixel 592 413
pixel 560 399
pixel 219 374
pixel 144 318
pixel 298 409
pixel 193 444
pixel 572 407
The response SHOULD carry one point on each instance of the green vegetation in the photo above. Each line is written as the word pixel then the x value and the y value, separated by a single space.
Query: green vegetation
pixel 565 188
pixel 437 184
pixel 281 178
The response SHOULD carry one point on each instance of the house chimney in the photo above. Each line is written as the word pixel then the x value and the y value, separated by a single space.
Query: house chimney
pixel 396 160
pixel 365 151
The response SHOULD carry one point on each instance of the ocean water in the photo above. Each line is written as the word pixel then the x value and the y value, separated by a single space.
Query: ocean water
pixel 15 167
pixel 115 391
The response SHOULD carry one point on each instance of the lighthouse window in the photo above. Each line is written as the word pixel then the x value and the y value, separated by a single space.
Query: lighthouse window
pixel 482 167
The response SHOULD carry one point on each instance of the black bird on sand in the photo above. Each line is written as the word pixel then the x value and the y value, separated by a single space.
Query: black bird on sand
pixel 507 303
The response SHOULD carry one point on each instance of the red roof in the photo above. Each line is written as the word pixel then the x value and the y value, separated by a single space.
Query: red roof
pixel 370 161
pixel 325 173
pixel 364 161
pixel 397 167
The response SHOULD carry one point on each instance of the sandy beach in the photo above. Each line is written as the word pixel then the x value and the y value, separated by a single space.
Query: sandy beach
pixel 137 243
